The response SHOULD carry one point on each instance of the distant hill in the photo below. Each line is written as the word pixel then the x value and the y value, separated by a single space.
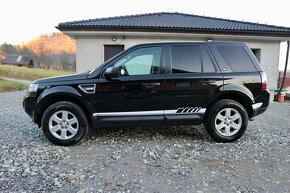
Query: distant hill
pixel 54 43
pixel 53 51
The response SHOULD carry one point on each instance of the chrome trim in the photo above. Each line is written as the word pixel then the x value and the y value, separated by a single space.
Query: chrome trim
pixel 170 112
pixel 146 113
pixel 202 110
pixel 88 92
pixel 132 113
pixel 257 105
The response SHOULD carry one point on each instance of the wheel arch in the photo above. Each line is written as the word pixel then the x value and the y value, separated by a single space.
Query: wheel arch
pixel 240 97
pixel 62 93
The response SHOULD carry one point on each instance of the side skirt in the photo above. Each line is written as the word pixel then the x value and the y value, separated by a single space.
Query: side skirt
pixel 184 115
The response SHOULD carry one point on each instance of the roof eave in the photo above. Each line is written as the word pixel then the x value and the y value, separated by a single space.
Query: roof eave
pixel 176 30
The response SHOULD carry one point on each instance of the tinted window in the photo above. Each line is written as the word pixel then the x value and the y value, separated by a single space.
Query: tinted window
pixel 143 61
pixel 237 58
pixel 207 62
pixel 186 59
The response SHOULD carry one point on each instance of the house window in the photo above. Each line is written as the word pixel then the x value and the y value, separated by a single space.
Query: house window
pixel 257 53
pixel 112 50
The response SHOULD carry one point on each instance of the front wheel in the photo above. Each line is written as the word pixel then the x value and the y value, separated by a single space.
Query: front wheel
pixel 227 121
pixel 64 123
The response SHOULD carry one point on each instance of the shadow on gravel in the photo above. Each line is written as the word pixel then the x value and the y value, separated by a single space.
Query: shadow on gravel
pixel 195 132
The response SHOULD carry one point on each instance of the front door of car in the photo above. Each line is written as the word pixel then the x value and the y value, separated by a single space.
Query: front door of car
pixel 136 95
pixel 192 81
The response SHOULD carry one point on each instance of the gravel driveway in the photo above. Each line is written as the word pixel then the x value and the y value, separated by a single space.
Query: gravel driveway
pixel 155 159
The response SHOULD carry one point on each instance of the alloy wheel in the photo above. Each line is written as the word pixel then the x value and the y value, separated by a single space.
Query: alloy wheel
pixel 63 125
pixel 228 122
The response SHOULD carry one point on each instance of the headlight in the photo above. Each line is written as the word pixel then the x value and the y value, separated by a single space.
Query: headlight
pixel 32 87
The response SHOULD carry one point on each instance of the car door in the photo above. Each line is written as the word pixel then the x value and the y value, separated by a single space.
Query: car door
pixel 192 81
pixel 136 96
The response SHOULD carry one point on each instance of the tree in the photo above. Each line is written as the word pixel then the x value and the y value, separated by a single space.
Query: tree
pixel 74 64
pixel 24 50
pixel 64 61
pixel 8 48
pixel 39 56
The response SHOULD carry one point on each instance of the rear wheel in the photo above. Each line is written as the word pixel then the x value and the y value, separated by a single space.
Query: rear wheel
pixel 64 123
pixel 227 121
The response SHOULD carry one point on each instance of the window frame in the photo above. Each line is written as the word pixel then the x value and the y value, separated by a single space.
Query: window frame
pixel 207 51
pixel 112 62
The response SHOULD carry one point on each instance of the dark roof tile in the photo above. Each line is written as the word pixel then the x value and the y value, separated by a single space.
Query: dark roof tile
pixel 173 22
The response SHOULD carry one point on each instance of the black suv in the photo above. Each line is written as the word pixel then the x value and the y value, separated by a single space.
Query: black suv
pixel 220 84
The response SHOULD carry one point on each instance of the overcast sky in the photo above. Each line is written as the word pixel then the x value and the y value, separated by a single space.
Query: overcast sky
pixel 22 20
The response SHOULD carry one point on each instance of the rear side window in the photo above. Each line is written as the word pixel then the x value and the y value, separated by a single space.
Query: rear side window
pixel 186 59
pixel 237 58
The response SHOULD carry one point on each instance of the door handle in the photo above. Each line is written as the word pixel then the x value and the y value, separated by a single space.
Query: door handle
pixel 151 85
pixel 207 82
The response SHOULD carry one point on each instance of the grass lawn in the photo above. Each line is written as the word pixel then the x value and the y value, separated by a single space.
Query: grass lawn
pixel 24 73
pixel 8 85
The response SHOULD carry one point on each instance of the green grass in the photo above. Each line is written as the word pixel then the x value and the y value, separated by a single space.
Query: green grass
pixel 8 85
pixel 24 73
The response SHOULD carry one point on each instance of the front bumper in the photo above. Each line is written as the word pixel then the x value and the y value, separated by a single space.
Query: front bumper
pixel 29 106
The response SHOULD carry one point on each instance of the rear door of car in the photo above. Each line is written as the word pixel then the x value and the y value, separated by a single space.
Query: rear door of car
pixel 239 65
pixel 192 82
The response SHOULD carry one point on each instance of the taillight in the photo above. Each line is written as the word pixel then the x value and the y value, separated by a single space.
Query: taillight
pixel 264 80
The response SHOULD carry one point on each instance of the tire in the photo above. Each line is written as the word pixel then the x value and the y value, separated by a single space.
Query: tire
pixel 227 121
pixel 64 123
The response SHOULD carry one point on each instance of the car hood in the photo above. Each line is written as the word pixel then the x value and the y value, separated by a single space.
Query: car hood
pixel 70 77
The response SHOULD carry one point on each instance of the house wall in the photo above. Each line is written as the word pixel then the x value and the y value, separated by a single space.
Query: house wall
pixel 90 49
pixel 286 83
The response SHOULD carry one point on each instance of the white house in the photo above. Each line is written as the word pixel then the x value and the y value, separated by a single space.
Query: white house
pixel 99 39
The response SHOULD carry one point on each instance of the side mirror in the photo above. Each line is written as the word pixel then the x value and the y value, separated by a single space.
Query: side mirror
pixel 112 72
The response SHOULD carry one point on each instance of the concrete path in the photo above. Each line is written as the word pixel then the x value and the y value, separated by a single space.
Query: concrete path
pixel 17 80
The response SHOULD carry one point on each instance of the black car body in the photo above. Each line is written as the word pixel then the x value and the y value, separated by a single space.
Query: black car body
pixel 160 83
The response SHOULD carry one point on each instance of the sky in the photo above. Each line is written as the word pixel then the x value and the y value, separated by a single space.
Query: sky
pixel 22 20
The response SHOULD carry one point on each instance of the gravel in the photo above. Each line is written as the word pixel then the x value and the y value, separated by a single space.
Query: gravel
pixel 151 159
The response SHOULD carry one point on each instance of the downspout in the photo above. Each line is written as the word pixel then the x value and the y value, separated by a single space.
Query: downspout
pixel 285 69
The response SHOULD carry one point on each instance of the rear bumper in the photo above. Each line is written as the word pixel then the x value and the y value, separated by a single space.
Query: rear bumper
pixel 261 103
pixel 259 111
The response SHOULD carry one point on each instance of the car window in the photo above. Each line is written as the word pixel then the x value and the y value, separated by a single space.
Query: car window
pixel 237 58
pixel 143 61
pixel 186 59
